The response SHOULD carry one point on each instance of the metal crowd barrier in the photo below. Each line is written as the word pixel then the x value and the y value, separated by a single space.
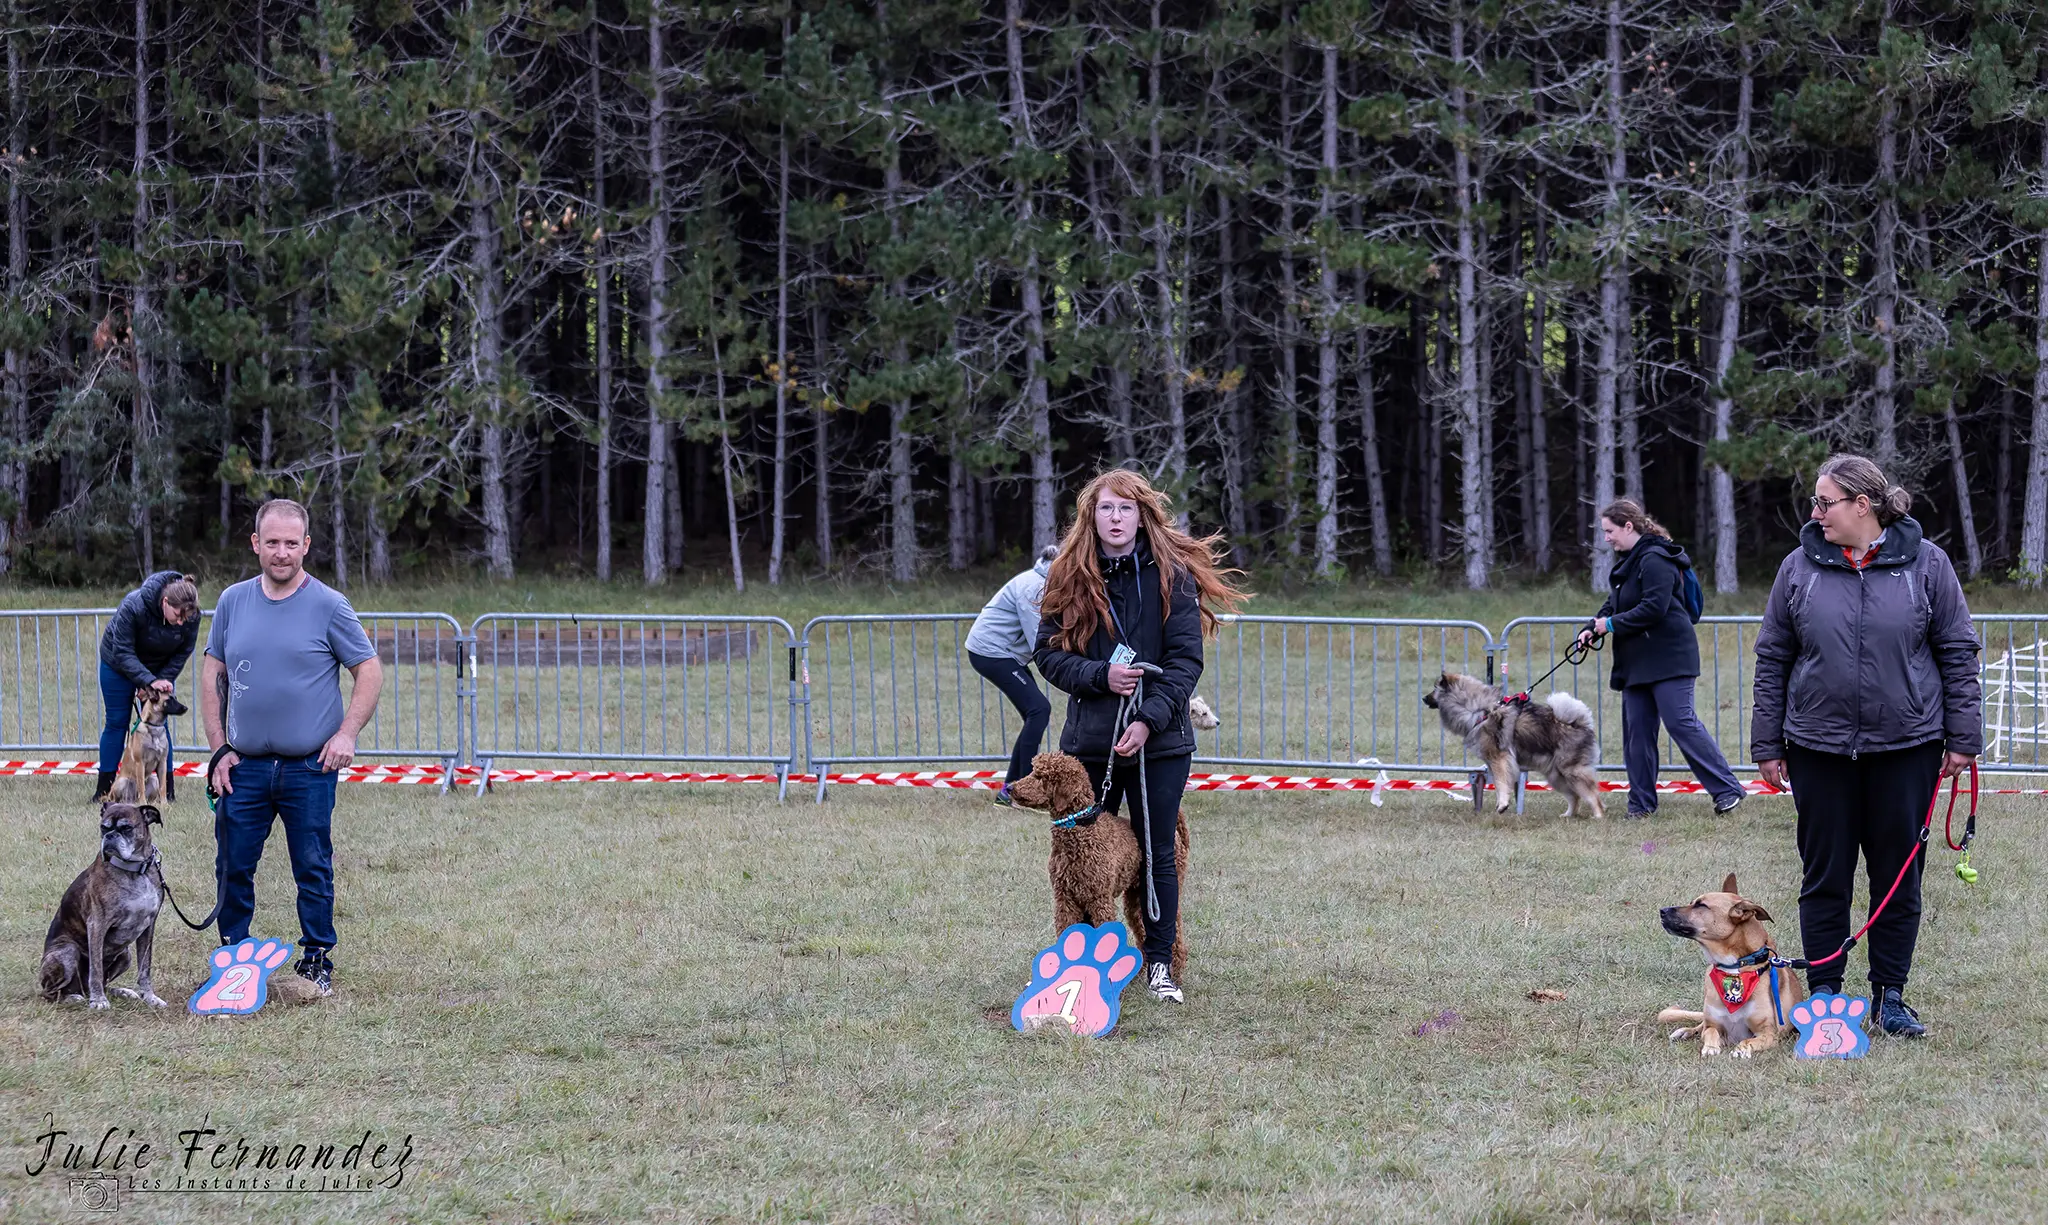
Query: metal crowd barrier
pixel 565 687
pixel 1290 692
pixel 50 699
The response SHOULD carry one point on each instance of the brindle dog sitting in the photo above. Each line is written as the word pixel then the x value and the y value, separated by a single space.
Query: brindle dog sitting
pixel 113 904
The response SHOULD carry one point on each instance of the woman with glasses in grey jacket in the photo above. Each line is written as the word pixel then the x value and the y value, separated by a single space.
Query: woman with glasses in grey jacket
pixel 1866 698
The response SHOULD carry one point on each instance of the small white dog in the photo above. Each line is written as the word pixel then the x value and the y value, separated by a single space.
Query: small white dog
pixel 1200 715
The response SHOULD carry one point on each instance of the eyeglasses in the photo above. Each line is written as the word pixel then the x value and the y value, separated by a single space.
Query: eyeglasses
pixel 1824 505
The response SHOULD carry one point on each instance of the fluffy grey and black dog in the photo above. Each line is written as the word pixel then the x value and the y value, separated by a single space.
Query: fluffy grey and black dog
pixel 1553 737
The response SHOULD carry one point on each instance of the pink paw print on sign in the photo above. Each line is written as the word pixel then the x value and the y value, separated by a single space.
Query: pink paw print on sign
pixel 1830 1027
pixel 1077 983
pixel 241 978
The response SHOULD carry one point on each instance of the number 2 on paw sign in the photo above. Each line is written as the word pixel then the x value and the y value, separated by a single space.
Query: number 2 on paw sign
pixel 240 981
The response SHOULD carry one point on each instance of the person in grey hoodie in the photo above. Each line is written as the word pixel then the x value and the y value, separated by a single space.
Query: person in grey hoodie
pixel 1866 698
pixel 999 647
pixel 1656 658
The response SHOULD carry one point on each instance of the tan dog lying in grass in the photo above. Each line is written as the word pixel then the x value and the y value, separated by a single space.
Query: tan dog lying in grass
pixel 1095 860
pixel 1729 929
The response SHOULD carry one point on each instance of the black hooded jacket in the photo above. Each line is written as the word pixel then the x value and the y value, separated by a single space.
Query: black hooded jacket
pixel 1653 633
pixel 1170 638
pixel 139 644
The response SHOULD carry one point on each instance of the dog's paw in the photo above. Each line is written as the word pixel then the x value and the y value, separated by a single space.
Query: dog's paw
pixel 1830 1027
pixel 98 1002
pixel 1075 984
pixel 240 980
pixel 126 993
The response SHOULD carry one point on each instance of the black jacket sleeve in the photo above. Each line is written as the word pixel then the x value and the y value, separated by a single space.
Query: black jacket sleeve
pixel 1952 636
pixel 1076 674
pixel 176 663
pixel 1180 659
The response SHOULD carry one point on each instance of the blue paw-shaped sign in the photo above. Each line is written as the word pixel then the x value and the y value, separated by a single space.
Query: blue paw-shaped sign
pixel 241 978
pixel 1076 983
pixel 1830 1027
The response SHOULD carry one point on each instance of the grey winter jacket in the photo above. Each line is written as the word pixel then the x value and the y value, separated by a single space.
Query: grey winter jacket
pixel 1008 625
pixel 1866 661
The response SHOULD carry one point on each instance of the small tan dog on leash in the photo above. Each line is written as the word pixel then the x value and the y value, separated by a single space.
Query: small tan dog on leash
pixel 1741 1005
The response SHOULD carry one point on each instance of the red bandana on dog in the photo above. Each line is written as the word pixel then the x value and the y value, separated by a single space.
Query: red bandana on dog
pixel 1734 987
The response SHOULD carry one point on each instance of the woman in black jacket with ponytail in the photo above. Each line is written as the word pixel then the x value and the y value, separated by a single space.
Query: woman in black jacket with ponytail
pixel 145 646
pixel 1126 577
pixel 1656 659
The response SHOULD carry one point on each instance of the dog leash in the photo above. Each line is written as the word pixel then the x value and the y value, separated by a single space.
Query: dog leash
pixel 219 895
pixel 1126 712
pixel 1575 654
pixel 1926 828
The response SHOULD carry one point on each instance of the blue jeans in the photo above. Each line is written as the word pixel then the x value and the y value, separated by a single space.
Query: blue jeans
pixel 1014 679
pixel 298 791
pixel 1669 702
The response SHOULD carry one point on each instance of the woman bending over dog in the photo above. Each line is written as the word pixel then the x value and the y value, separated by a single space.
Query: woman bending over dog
pixel 1127 577
pixel 146 644
pixel 1656 658
pixel 1866 697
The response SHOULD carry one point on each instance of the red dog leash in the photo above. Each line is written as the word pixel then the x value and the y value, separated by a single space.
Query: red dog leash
pixel 1955 789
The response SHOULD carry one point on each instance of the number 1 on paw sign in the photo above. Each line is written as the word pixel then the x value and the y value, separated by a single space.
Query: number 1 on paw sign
pixel 1076 983
pixel 240 981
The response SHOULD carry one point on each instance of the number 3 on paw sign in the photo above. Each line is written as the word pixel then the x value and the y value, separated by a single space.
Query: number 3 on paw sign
pixel 241 978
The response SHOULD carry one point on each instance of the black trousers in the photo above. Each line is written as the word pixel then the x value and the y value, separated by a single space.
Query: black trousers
pixel 1014 679
pixel 1873 803
pixel 1166 781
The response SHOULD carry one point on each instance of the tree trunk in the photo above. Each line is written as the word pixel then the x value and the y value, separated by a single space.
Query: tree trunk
pixel 2001 511
pixel 1884 405
pixel 1123 437
pixel 1233 437
pixel 1175 466
pixel 1379 530
pixel 726 462
pixel 821 439
pixel 1538 475
pixel 654 520
pixel 1721 481
pixel 1037 406
pixel 603 356
pixel 337 517
pixel 489 375
pixel 14 468
pixel 2034 510
pixel 1966 519
pixel 141 318
pixel 1613 307
pixel 1288 478
pixel 959 508
pixel 1472 495
pixel 779 494
pixel 1326 338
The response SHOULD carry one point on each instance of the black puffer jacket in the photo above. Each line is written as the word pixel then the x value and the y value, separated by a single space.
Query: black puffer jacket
pixel 139 643
pixel 1653 635
pixel 1170 638
pixel 1855 661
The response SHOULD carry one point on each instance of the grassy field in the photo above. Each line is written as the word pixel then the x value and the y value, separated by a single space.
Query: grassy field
pixel 606 1003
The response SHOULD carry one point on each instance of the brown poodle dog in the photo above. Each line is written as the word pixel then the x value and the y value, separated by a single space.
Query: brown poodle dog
pixel 1095 860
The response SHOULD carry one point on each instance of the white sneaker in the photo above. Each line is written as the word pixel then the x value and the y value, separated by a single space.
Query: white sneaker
pixel 1159 981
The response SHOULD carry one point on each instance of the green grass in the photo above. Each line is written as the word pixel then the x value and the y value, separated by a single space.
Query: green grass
pixel 662 1003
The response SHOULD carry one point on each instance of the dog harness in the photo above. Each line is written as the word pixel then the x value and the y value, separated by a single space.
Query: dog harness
pixel 1734 982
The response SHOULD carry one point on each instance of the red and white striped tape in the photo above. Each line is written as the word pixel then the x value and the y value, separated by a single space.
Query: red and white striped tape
pixel 977 780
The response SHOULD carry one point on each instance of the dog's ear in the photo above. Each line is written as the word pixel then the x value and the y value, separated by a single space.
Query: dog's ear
pixel 150 815
pixel 1744 911
pixel 1728 886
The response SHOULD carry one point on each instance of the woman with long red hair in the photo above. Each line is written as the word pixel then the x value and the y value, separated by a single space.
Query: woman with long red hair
pixel 1126 577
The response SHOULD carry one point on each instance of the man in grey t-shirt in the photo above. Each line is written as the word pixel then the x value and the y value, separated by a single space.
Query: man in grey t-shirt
pixel 270 690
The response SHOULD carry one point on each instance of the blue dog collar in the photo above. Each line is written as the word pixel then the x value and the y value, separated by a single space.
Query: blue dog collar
pixel 1084 817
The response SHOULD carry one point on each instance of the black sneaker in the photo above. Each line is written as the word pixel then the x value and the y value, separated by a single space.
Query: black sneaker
pixel 315 968
pixel 1895 1018
pixel 1003 797
pixel 1723 807
pixel 1159 981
